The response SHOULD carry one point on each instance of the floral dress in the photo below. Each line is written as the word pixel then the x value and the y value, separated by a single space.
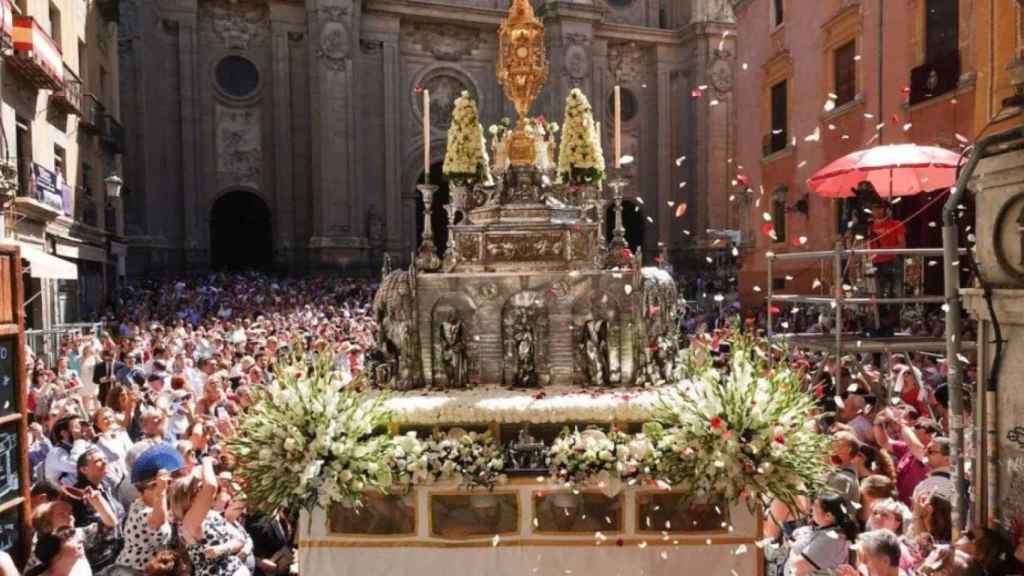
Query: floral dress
pixel 215 532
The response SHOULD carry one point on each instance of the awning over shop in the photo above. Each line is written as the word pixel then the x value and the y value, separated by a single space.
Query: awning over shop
pixel 77 251
pixel 43 265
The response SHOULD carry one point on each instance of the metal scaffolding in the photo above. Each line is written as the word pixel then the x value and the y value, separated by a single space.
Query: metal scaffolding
pixel 840 343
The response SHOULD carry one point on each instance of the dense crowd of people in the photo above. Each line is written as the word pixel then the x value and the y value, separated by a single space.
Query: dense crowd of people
pixel 129 426
pixel 132 475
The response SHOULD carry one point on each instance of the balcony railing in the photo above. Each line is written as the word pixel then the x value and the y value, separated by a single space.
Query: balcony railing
pixel 935 78
pixel 112 134
pixel 93 113
pixel 36 57
pixel 69 99
pixel 6 25
pixel 774 141
pixel 109 9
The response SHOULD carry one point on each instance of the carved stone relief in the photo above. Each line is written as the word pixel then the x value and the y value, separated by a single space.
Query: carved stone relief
pixel 626 62
pixel 239 25
pixel 720 71
pixel 523 248
pixel 445 41
pixel 577 58
pixel 239 151
pixel 335 44
pixel 445 86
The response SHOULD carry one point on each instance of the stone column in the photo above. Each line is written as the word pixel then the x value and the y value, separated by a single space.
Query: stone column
pixel 998 488
pixel 338 238
pixel 665 154
pixel 196 249
pixel 392 146
pixel 284 191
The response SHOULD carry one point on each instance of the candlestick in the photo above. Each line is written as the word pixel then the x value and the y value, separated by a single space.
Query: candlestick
pixel 426 136
pixel 618 126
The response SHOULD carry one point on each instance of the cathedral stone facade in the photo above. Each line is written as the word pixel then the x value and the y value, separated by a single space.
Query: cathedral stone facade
pixel 287 133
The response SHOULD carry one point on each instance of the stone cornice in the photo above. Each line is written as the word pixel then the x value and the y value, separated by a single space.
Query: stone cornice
pixel 425 10
pixel 629 33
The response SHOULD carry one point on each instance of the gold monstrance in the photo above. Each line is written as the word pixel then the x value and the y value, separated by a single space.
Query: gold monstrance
pixel 522 71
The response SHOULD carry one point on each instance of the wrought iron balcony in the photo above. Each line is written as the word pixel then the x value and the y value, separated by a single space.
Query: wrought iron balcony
pixel 6 25
pixel 112 134
pixel 93 113
pixel 35 56
pixel 70 98
pixel 935 78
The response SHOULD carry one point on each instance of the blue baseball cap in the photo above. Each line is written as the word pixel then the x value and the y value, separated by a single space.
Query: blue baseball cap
pixel 153 460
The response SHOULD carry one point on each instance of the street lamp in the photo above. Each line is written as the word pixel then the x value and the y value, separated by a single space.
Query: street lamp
pixel 114 185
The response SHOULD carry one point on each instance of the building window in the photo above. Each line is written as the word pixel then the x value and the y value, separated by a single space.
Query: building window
pixel 55 26
pixel 82 65
pixel 779 136
pixel 629 105
pixel 845 65
pixel 941 29
pixel 87 179
pixel 778 13
pixel 779 213
pixel 59 162
pixel 237 77
pixel 23 148
pixel 103 87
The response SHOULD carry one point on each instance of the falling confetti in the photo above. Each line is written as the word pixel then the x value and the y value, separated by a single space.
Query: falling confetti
pixel 814 136
pixel 719 298
pixel 744 66
pixel 962 139
pixel 713 103
pixel 664 555
pixel 680 160
pixel 695 93
pixel 816 284
pixel 740 550
pixel 628 288
pixel 627 159
pixel 757 288
pixel 682 185
pixel 710 261
pixel 651 220
pixel 802 164
pixel 680 209
pixel 642 545
pixel 767 216
pixel 735 251
pixel 496 540
pixel 830 105
pixel 907 127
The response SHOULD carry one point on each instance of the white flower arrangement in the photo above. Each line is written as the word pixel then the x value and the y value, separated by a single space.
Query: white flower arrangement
pixel 487 404
pixel 580 159
pixel 592 457
pixel 465 160
pixel 743 432
pixel 468 459
pixel 308 441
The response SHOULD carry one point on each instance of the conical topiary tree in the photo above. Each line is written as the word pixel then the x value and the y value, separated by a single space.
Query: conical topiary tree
pixel 580 159
pixel 465 160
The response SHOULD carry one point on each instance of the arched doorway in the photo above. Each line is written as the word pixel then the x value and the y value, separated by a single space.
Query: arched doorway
pixel 240 232
pixel 438 217
pixel 632 220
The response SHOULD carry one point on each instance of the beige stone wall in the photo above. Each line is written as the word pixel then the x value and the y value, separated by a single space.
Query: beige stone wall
pixel 88 44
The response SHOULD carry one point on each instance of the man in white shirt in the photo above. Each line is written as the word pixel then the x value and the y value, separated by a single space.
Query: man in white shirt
pixel 61 464
pixel 940 476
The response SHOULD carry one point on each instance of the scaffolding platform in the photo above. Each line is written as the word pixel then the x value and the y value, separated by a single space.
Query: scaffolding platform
pixel 841 300
pixel 855 343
